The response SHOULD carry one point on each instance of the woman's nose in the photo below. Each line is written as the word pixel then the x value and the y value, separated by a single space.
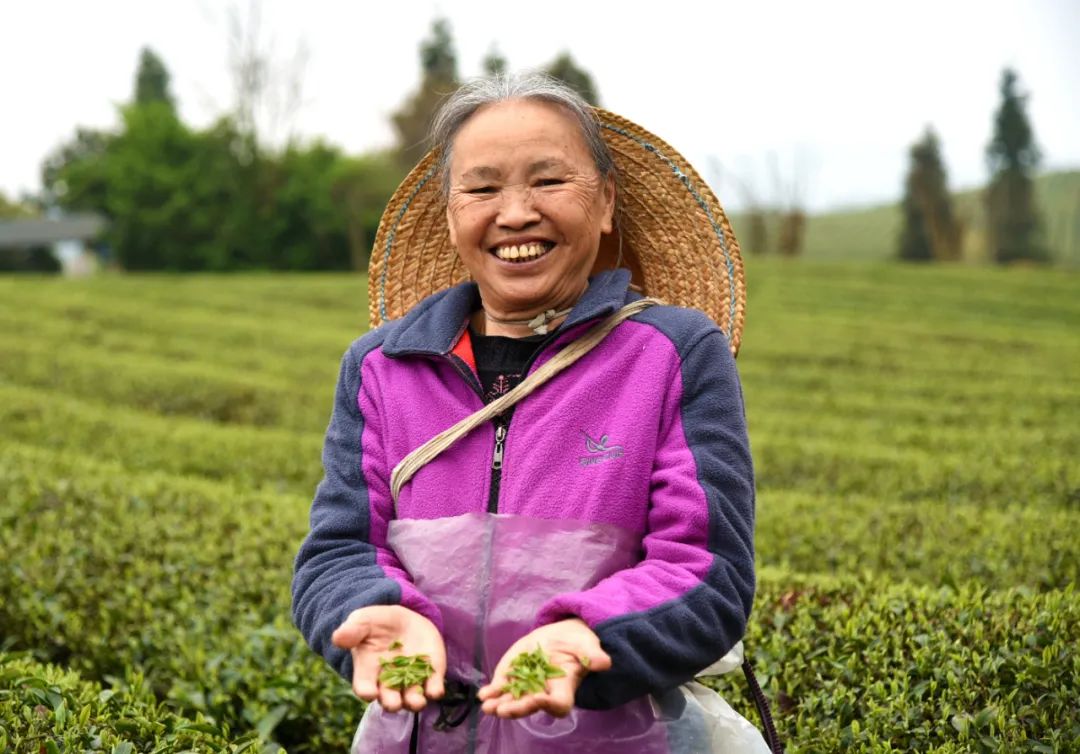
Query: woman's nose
pixel 516 209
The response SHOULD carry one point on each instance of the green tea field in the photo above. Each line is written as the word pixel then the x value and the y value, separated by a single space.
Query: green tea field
pixel 916 433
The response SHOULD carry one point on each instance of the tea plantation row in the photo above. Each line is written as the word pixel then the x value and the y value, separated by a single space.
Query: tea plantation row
pixel 184 581
pixel 915 434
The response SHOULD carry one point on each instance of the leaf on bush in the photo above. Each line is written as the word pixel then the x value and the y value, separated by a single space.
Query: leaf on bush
pixel 270 720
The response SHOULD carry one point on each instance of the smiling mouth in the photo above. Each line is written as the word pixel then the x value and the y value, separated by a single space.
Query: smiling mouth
pixel 526 252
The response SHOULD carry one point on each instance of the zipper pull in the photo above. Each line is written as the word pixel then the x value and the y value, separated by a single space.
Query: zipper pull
pixel 500 439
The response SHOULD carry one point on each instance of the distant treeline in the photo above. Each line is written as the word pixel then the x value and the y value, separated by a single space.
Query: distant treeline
pixel 221 198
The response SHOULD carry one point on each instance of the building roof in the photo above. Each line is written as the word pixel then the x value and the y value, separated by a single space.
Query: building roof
pixel 41 231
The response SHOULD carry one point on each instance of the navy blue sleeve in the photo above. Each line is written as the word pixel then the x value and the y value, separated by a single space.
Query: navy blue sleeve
pixel 337 569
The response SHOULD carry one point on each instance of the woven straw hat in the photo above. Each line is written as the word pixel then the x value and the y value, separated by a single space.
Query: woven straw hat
pixel 676 239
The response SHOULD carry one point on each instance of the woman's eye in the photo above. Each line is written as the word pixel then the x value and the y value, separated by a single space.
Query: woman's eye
pixel 482 190
pixel 550 182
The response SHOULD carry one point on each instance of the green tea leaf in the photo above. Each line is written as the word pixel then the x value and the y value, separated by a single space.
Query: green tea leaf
pixel 529 673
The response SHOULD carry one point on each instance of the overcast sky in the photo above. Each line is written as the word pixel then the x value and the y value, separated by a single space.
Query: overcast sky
pixel 837 91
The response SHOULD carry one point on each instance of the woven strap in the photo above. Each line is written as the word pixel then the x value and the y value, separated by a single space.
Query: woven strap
pixel 772 738
pixel 416 460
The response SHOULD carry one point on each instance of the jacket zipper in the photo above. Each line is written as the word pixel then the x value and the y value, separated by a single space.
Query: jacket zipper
pixel 500 440
pixel 501 426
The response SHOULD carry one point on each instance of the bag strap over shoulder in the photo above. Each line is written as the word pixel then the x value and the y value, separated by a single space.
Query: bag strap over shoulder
pixel 417 459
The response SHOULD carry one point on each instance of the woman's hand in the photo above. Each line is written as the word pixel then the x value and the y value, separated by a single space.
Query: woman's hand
pixel 570 645
pixel 371 632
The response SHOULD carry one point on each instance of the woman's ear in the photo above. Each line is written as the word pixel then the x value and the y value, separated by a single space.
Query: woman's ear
pixel 607 223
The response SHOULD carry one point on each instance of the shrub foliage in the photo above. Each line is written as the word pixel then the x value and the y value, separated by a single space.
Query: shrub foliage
pixel 914 433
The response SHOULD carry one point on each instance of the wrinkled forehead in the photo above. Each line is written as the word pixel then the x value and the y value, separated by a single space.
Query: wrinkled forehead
pixel 525 135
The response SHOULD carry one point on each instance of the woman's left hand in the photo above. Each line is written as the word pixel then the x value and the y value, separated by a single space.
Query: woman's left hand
pixel 570 645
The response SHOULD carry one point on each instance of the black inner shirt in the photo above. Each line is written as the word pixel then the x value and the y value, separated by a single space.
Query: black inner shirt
pixel 501 361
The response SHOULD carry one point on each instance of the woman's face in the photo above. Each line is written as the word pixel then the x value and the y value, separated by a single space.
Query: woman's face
pixel 526 206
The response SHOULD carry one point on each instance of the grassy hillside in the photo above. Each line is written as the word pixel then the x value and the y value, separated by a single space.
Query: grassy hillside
pixel 870 233
pixel 915 434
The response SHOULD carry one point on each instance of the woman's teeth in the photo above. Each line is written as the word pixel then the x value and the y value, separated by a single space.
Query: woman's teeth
pixel 522 253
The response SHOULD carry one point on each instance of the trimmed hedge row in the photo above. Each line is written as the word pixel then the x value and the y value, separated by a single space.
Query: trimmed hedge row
pixel 330 296
pixel 46 710
pixel 974 298
pixel 838 466
pixel 932 447
pixel 872 666
pixel 183 580
pixel 186 581
pixel 919 541
pixel 995 412
pixel 283 460
pixel 291 332
pixel 166 387
pixel 249 457
pixel 253 357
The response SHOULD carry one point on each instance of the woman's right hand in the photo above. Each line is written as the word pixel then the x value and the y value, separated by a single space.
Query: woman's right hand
pixel 369 634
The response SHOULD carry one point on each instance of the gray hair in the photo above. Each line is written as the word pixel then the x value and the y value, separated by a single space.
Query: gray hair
pixel 471 96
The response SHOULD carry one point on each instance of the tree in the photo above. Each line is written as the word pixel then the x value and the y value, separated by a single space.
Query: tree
pixel 178 198
pixel 930 230
pixel 71 176
pixel 494 63
pixel 437 56
pixel 267 89
pixel 567 71
pixel 439 77
pixel 791 217
pixel 752 219
pixel 361 188
pixel 1013 157
pixel 152 80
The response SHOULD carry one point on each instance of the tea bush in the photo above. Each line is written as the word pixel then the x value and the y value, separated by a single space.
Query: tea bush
pixel 878 666
pixel 918 540
pixel 186 580
pixel 182 579
pixel 46 709
pixel 164 387
pixel 914 432
pixel 252 457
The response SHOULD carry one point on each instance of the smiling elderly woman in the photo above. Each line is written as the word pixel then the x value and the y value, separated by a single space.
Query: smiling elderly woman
pixel 589 488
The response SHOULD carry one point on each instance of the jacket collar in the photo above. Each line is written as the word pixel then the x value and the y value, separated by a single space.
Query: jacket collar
pixel 434 325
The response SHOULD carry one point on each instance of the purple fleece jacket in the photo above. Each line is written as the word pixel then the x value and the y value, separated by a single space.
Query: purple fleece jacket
pixel 646 432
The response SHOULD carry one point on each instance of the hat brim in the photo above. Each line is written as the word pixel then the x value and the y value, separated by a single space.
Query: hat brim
pixel 675 237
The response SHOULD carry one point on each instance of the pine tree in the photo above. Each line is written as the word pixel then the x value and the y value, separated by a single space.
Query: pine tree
pixel 1012 156
pixel 152 80
pixel 931 230
pixel 439 77
pixel 567 71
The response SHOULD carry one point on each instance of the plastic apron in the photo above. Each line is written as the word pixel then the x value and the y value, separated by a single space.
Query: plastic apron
pixel 489 575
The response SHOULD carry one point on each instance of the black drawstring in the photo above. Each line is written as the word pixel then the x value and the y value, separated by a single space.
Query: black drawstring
pixel 458 698
pixel 762 704
pixel 454 709
pixel 414 739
